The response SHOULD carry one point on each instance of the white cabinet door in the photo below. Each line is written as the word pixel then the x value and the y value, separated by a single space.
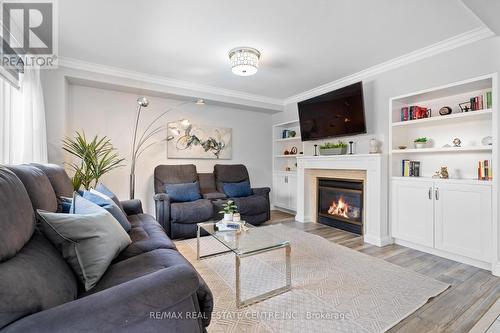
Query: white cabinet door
pixel 413 212
pixel 280 190
pixel 463 219
pixel 292 192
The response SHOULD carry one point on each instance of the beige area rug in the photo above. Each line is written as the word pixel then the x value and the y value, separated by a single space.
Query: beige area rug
pixel 334 288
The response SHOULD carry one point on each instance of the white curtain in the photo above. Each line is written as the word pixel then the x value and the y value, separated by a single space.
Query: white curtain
pixel 23 137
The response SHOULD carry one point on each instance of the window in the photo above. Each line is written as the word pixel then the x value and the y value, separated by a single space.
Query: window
pixel 22 120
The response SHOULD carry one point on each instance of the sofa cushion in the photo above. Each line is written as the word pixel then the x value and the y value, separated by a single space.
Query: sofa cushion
pixel 17 220
pixel 146 235
pixel 229 173
pixel 89 242
pixel 236 190
pixel 38 186
pixel 138 266
pixel 191 212
pixel 184 192
pixel 105 202
pixel 148 263
pixel 214 195
pixel 252 205
pixel 36 279
pixel 58 178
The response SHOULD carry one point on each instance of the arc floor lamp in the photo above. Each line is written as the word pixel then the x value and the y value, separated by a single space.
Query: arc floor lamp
pixel 144 141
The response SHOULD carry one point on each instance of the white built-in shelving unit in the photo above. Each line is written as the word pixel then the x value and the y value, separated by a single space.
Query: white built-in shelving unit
pixel 285 166
pixel 455 217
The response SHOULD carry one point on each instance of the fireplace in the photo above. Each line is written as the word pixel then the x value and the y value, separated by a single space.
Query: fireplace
pixel 340 204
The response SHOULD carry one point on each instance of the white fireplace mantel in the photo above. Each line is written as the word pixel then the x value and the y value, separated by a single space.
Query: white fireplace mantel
pixel 376 226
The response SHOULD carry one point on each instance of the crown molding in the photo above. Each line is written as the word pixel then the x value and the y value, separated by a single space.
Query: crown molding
pixel 428 51
pixel 197 90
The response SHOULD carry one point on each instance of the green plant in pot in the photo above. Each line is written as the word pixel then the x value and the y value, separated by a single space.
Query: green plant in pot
pixel 328 148
pixel 420 142
pixel 95 158
pixel 229 208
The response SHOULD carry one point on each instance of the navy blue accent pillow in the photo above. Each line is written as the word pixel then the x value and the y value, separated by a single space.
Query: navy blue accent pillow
pixel 236 190
pixel 65 205
pixel 183 192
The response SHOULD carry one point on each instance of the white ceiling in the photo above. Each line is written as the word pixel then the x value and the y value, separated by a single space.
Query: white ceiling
pixel 304 43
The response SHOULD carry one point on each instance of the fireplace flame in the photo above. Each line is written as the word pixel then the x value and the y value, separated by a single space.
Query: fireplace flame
pixel 339 208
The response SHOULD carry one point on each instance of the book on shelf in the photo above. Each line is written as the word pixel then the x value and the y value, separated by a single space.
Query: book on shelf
pixel 414 112
pixel 410 168
pixel 489 100
pixel 404 113
pixel 481 102
pixel 484 170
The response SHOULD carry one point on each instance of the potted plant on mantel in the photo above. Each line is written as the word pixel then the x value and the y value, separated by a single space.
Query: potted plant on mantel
pixel 228 208
pixel 328 148
pixel 420 142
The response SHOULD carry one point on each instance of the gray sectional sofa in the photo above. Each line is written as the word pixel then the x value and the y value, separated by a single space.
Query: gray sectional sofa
pixel 179 219
pixel 144 286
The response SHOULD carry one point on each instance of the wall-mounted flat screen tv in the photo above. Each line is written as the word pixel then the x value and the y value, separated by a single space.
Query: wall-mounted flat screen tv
pixel 334 114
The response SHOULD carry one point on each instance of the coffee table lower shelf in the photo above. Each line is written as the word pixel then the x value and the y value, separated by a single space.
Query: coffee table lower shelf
pixel 243 303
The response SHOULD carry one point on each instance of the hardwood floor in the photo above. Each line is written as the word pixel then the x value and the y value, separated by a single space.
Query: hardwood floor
pixel 473 290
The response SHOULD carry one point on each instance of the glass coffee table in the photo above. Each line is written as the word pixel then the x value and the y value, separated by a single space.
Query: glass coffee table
pixel 244 243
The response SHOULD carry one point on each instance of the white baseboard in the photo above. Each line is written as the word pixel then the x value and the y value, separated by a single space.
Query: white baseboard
pixel 284 210
pixel 495 268
pixel 306 219
pixel 378 241
pixel 455 257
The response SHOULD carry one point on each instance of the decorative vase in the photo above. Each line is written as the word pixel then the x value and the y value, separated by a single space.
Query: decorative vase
pixel 228 216
pixel 373 146
pixel 236 217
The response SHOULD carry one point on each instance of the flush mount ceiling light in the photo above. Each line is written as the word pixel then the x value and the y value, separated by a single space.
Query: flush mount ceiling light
pixel 244 60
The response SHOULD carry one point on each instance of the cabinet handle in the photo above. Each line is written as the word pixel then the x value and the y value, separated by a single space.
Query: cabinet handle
pixel 286 179
pixel 436 193
pixel 430 193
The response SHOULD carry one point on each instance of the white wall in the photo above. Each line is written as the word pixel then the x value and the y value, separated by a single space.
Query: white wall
pixel 112 113
pixel 472 60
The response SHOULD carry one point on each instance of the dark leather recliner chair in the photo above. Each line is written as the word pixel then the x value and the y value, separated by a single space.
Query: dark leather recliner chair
pixel 254 209
pixel 179 219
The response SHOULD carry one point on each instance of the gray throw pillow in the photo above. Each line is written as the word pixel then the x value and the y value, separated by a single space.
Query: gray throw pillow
pixel 88 242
